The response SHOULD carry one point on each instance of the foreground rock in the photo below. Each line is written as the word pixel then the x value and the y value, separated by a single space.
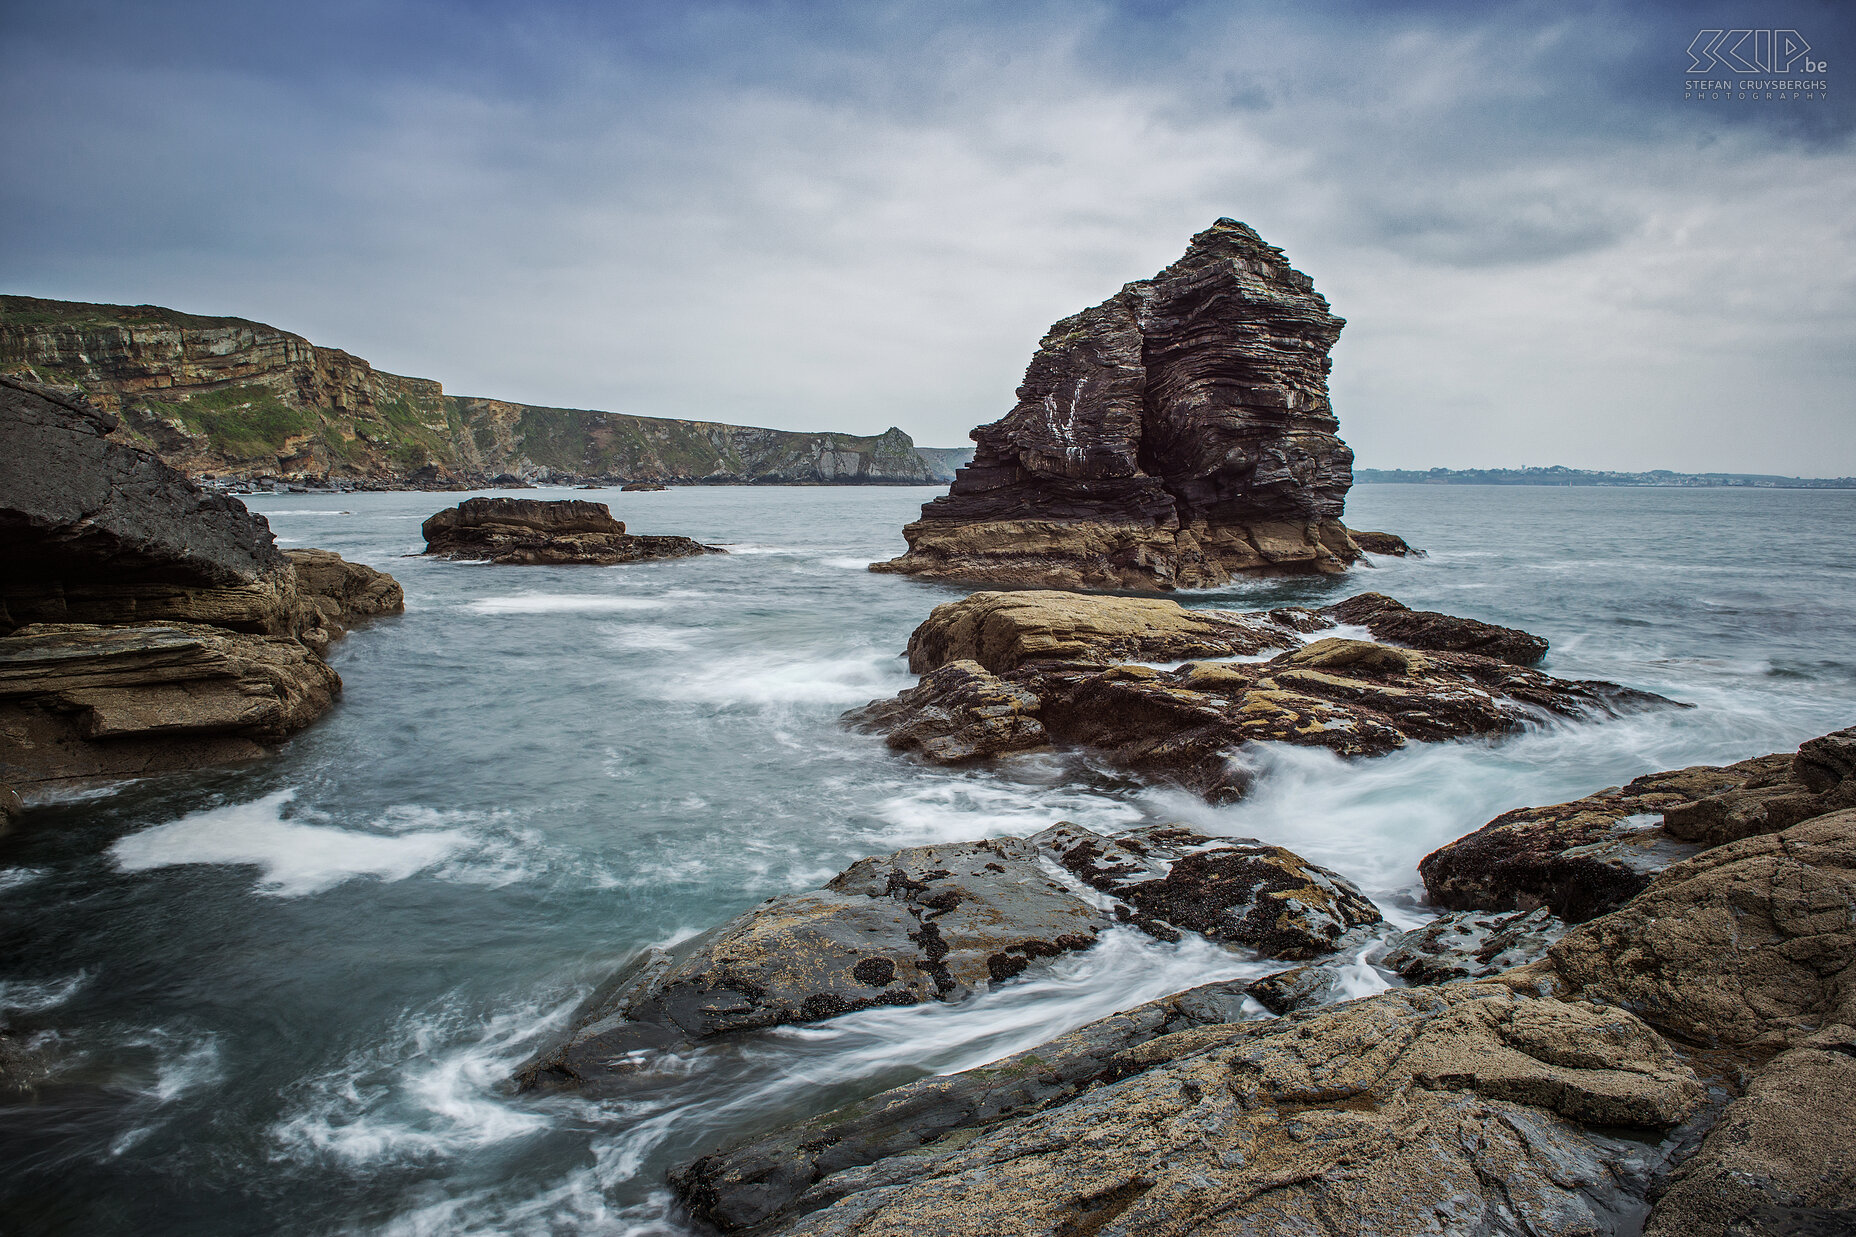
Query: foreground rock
pixel 1236 890
pixel 1173 436
pixel 931 923
pixel 1751 944
pixel 1396 623
pixel 82 703
pixel 1471 945
pixel 533 532
pixel 1462 1109
pixel 1592 855
pixel 147 627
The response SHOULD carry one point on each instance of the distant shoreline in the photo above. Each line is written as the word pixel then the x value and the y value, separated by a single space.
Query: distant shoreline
pixel 1557 476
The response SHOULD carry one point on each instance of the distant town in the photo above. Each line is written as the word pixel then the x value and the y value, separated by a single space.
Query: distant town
pixel 1558 475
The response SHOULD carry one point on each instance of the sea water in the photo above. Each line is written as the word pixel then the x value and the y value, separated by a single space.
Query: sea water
pixel 286 997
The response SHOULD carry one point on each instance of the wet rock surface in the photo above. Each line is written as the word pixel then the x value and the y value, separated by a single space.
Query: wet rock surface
pixel 1003 631
pixel 1173 436
pixel 1748 944
pixel 1299 987
pixel 1055 656
pixel 1234 890
pixel 809 1165
pixel 1396 623
pixel 1469 1105
pixel 1385 543
pixel 529 531
pixel 338 594
pixel 1465 945
pixel 957 713
pixel 81 703
pixel 1591 855
pixel 929 923
pixel 1780 1159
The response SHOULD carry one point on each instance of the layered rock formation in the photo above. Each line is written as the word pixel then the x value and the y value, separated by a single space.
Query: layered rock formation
pixel 1173 436
pixel 1592 855
pixel 942 922
pixel 146 626
pixel 1006 672
pixel 232 399
pixel 533 532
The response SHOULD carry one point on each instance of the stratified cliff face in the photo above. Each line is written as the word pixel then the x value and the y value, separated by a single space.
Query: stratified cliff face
pixel 229 398
pixel 1173 436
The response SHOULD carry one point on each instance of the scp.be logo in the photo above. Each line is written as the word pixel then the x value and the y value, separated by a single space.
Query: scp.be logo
pixel 1752 51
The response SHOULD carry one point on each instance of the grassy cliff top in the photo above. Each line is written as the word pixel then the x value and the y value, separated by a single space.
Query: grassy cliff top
pixel 36 311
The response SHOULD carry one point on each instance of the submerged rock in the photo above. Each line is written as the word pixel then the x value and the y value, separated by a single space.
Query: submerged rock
pixel 1299 987
pixel 1469 1105
pixel 928 923
pixel 1592 855
pixel 533 532
pixel 1173 436
pixel 1235 890
pixel 1471 945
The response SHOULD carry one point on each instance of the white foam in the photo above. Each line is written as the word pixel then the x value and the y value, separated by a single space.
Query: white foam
pixel 13 878
pixel 295 858
pixel 17 996
pixel 561 603
pixel 767 680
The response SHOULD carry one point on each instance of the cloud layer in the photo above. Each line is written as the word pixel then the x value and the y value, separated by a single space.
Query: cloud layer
pixel 852 216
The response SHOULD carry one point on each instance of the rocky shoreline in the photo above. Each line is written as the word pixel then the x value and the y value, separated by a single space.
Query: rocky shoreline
pixel 1600 1037
pixel 146 626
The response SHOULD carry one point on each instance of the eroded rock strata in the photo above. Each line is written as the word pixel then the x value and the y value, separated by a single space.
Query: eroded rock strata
pixel 1590 856
pixel 146 626
pixel 533 532
pixel 1007 672
pixel 1173 436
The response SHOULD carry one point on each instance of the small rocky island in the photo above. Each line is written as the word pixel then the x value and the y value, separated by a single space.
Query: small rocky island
pixel 1012 672
pixel 1174 436
pixel 147 626
pixel 534 532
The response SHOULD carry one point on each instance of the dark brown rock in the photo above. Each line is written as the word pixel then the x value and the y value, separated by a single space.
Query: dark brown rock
pixel 1396 623
pixel 533 532
pixel 82 704
pixel 928 923
pixel 636 486
pixel 95 532
pixel 1590 856
pixel 1384 543
pixel 1234 890
pixel 1468 945
pixel 337 594
pixel 1173 436
pixel 955 714
pixel 1298 988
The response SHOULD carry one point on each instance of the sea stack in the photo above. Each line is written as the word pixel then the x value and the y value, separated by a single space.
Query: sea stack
pixel 1174 436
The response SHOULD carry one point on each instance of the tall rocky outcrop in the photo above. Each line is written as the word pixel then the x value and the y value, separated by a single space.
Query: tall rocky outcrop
pixel 1175 435
pixel 145 625
pixel 235 399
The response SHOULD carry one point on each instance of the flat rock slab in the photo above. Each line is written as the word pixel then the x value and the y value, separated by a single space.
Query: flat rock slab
pixel 1592 855
pixel 1396 623
pixel 1234 890
pixel 1470 1105
pixel 928 923
pixel 532 532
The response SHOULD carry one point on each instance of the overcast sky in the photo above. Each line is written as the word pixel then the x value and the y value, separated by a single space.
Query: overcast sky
pixel 850 216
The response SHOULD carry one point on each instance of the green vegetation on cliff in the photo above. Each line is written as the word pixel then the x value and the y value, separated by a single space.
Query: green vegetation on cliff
pixel 234 398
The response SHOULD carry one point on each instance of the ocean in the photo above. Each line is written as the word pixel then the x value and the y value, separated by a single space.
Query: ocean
pixel 285 997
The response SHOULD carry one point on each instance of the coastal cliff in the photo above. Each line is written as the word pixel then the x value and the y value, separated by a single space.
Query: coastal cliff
pixel 1175 435
pixel 236 400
